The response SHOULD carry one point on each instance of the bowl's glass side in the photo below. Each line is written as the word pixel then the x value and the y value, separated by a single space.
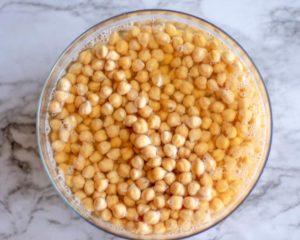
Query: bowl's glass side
pixel 101 31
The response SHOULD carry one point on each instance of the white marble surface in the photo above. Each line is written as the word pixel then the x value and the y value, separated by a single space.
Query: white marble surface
pixel 32 35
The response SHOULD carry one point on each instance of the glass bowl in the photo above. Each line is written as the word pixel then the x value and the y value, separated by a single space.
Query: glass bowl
pixel 101 30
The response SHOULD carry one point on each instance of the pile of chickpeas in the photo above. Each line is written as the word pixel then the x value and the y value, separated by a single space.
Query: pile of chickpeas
pixel 151 128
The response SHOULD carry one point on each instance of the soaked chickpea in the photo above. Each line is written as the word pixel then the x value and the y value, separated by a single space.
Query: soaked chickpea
pixel 152 128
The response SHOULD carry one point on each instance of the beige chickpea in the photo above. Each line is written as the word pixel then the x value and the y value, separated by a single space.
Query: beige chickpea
pixel 89 187
pixel 199 54
pixel 191 203
pixel 100 204
pixel 141 101
pixel 142 141
pixel 193 122
pixel 183 165
pixel 170 150
pixel 185 178
pixel 154 161
pixel 78 182
pixel 123 88
pixel 85 108
pixel 88 204
pixel 143 228
pixel 114 154
pixel 106 165
pixel 64 85
pixel 177 188
pixel 193 188
pixel 198 167
pixel 145 112
pixel 134 192
pixel 152 217
pixel 106 215
pixel 88 172
pixel 178 140
pixel 154 122
pixel 149 151
pixel 140 126
pixel 143 183
pixel 206 193
pixel 173 119
pixel 124 170
pixel 148 194
pixel 137 162
pixel 55 107
pixel 166 137
pixel 175 202
pixel 160 186
pixel 168 164
pixel 119 210
pixel 158 173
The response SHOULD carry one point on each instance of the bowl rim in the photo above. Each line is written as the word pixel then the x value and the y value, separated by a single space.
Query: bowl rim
pixel 153 11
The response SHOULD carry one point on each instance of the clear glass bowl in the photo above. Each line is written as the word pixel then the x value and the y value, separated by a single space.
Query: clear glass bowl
pixel 101 29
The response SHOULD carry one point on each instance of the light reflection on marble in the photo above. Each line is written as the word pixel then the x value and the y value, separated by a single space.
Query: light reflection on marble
pixel 33 34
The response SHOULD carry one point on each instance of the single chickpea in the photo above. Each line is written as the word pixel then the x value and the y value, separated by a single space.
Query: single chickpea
pixel 169 164
pixel 201 148
pixel 155 139
pixel 123 88
pixel 55 107
pixel 191 203
pixel 222 142
pixel 64 85
pixel 89 187
pixel 183 165
pixel 170 150
pixel 175 202
pixel 177 188
pixel 143 39
pixel 148 194
pixel 193 188
pixel 143 228
pixel 160 186
pixel 149 151
pixel 159 201
pixel 198 167
pixel 106 165
pixel 140 126
pixel 154 122
pixel 88 172
pixel 78 182
pixel 142 141
pixel 185 178
pixel 158 173
pixel 137 162
pixel 178 140
pixel 217 204
pixel 193 122
pixel 199 54
pixel 113 177
pixel 143 183
pixel 173 119
pixel 206 193
pixel 130 120
pixel 88 204
pixel 134 192
pixel 152 217
pixel 119 210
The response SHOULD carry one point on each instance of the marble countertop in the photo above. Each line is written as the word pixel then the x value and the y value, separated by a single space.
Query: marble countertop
pixel 32 35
